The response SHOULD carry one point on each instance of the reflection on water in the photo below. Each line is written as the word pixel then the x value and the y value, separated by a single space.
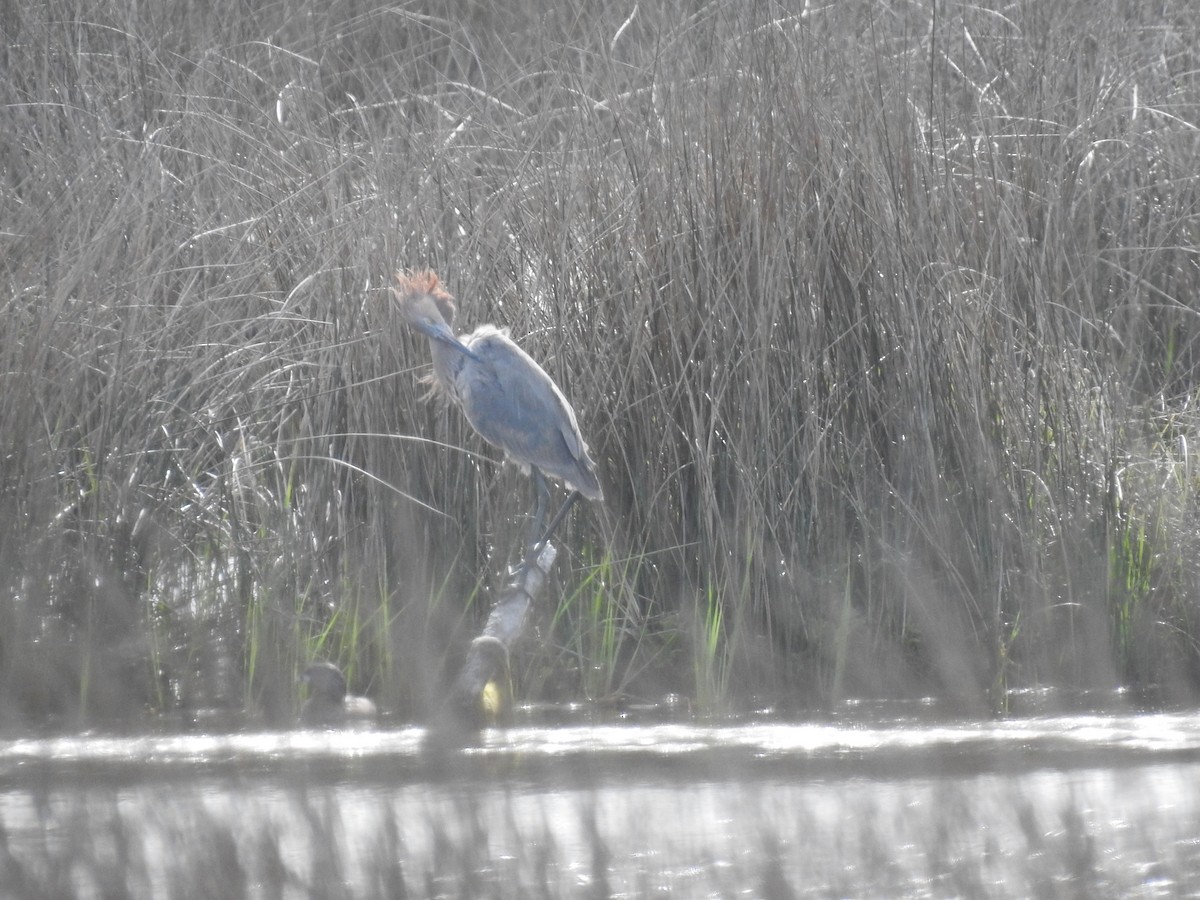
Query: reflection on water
pixel 1078 806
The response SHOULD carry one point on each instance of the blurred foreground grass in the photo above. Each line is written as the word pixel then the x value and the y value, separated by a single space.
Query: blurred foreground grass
pixel 881 322
pixel 1050 834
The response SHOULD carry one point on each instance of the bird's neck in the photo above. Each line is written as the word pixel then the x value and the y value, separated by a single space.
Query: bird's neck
pixel 447 364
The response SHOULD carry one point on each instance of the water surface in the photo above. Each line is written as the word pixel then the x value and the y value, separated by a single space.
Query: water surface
pixel 1071 806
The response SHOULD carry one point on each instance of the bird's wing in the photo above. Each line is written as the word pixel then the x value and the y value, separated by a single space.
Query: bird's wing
pixel 513 403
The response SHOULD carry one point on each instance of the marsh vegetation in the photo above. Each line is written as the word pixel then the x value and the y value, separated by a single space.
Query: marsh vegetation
pixel 880 321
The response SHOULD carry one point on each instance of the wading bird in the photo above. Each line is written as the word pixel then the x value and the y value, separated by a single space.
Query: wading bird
pixel 328 703
pixel 506 396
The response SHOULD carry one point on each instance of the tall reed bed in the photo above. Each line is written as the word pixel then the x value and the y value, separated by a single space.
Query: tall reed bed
pixel 881 323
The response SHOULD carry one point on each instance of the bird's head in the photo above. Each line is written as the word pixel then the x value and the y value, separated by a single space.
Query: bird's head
pixel 428 307
pixel 423 300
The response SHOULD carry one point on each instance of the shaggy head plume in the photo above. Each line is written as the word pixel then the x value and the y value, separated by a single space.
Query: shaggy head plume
pixel 417 282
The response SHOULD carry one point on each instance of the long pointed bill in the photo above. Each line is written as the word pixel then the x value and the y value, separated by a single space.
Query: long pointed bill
pixel 443 335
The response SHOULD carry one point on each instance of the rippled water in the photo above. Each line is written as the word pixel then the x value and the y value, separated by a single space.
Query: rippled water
pixel 1072 806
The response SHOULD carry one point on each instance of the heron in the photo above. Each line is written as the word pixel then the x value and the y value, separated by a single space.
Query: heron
pixel 328 702
pixel 506 397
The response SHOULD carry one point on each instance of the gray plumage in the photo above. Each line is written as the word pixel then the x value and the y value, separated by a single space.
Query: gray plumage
pixel 506 396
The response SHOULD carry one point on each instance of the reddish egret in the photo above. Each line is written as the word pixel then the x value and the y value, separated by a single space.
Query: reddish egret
pixel 328 703
pixel 506 396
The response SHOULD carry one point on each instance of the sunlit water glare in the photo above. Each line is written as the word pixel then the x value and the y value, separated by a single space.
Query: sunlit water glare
pixel 1036 807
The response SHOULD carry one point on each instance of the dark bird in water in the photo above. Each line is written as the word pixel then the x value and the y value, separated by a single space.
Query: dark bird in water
pixel 328 703
pixel 506 396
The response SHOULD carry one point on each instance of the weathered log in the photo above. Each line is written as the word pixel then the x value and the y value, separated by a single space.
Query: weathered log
pixel 487 657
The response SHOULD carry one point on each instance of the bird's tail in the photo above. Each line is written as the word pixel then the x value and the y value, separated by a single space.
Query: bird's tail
pixel 585 480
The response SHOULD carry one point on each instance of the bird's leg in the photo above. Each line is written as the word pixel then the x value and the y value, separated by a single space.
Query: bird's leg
pixel 558 517
pixel 541 492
